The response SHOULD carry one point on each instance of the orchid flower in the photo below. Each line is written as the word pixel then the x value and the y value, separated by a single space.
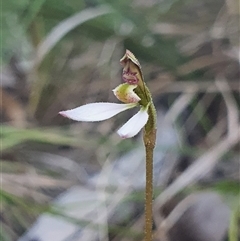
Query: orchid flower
pixel 105 110
pixel 128 93
pixel 133 92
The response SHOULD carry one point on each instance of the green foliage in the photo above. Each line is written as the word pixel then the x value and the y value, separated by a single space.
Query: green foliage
pixel 12 137
pixel 233 233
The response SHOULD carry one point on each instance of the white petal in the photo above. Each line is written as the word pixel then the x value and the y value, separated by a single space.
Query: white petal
pixel 134 125
pixel 96 111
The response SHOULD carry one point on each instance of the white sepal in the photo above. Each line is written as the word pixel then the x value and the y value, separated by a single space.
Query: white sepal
pixel 96 111
pixel 134 125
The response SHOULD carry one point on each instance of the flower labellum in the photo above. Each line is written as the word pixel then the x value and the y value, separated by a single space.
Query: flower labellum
pixel 126 94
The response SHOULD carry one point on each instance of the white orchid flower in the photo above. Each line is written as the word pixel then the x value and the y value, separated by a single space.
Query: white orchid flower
pixel 104 110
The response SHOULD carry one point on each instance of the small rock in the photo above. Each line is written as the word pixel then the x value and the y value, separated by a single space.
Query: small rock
pixel 205 219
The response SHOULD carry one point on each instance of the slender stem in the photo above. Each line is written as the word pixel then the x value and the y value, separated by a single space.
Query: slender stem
pixel 149 141
pixel 148 197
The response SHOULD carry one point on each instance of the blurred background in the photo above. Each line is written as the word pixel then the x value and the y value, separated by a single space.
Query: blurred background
pixel 68 181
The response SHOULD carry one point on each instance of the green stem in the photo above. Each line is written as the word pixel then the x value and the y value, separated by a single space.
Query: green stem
pixel 149 142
